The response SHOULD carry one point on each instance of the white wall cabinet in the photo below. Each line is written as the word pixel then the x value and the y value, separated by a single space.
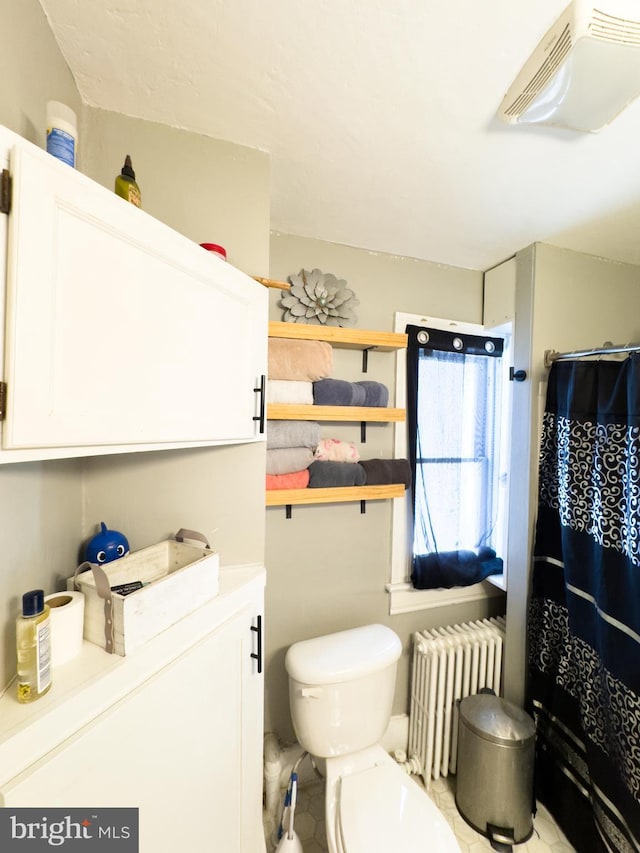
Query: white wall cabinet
pixel 120 333
pixel 178 736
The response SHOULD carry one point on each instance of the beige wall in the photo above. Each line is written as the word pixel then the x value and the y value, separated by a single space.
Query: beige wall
pixel 582 301
pixel 208 190
pixel 327 566
pixel 40 529
pixel 383 283
pixel 564 301
pixel 149 496
pixel 32 70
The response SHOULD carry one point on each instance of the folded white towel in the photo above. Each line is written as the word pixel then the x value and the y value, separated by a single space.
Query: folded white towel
pixel 290 391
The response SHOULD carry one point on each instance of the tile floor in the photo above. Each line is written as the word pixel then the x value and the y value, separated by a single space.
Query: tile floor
pixel 309 823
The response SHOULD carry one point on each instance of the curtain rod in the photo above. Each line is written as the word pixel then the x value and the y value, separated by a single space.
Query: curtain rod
pixel 607 348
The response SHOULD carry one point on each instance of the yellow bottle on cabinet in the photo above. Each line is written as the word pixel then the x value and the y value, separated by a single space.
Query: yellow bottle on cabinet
pixel 33 641
pixel 126 186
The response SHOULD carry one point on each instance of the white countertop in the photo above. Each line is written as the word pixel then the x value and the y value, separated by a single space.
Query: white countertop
pixel 94 680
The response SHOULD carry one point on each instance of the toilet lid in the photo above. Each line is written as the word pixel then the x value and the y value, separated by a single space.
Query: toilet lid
pixel 383 809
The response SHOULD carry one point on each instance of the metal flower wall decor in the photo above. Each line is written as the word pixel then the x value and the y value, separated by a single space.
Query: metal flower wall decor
pixel 319 298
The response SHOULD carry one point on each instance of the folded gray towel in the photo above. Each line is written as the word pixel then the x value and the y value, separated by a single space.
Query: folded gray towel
pixel 286 460
pixel 324 475
pixel 376 394
pixel 293 434
pixel 338 392
pixel 382 472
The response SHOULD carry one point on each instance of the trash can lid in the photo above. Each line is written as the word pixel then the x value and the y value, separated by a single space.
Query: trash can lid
pixel 496 719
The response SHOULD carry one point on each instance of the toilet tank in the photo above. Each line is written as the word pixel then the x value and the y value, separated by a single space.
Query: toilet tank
pixel 341 689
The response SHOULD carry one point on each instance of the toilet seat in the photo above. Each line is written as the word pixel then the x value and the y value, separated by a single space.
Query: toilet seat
pixel 382 809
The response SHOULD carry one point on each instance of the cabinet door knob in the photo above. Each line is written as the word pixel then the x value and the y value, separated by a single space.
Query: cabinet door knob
pixel 257 655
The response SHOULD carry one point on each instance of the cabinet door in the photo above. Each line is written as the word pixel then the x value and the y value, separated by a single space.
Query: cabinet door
pixel 252 734
pixel 120 331
pixel 185 748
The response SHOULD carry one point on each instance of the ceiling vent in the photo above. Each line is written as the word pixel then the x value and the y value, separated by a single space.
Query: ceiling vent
pixel 583 72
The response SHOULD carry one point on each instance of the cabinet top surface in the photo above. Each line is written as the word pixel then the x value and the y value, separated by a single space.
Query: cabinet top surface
pixel 95 680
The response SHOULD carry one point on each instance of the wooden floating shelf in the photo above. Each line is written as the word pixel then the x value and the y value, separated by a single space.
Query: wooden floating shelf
pixel 365 414
pixel 340 494
pixel 339 337
pixel 360 339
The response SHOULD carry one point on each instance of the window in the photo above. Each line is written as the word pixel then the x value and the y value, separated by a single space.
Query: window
pixel 404 597
pixel 453 411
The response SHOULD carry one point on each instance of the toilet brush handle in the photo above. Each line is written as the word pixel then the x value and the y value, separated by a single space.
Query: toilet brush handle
pixel 292 805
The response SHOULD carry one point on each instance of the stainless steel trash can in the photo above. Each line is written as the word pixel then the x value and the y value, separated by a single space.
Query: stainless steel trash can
pixel 494 787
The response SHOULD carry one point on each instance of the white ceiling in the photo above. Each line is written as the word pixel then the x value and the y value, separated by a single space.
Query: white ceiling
pixel 379 115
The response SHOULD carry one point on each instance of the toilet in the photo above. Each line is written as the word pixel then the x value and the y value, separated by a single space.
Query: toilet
pixel 340 693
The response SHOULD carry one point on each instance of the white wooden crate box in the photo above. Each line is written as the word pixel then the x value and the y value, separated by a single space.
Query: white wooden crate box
pixel 180 577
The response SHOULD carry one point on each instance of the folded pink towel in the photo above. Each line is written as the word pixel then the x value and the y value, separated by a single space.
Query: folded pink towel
pixel 295 480
pixel 334 450
pixel 299 361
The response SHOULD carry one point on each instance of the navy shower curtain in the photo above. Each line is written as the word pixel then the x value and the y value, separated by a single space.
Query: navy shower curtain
pixel 584 615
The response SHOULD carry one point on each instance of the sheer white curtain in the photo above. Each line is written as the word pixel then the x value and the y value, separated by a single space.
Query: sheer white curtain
pixel 453 412
pixel 455 451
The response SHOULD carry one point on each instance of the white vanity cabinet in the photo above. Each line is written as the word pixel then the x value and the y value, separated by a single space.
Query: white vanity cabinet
pixel 119 333
pixel 175 729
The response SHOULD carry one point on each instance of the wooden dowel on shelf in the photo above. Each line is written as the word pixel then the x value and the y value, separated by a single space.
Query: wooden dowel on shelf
pixel 271 282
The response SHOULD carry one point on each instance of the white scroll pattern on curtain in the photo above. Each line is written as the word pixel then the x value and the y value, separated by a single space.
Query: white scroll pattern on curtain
pixel 582 675
pixel 590 473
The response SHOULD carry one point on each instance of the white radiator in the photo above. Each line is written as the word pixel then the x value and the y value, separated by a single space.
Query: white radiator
pixel 449 663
